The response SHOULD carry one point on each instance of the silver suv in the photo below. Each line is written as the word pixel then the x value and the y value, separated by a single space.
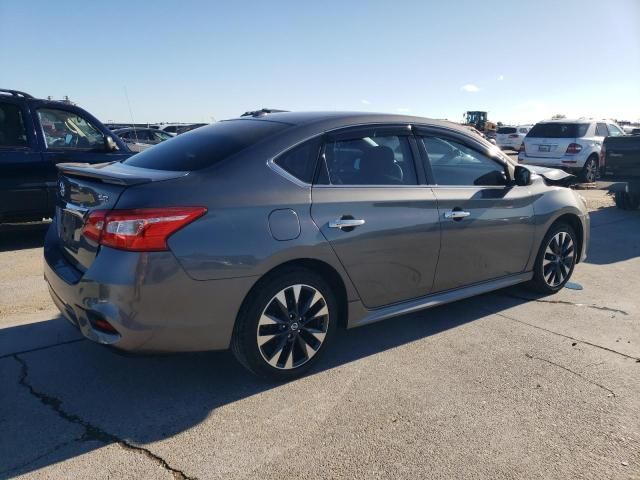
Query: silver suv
pixel 572 145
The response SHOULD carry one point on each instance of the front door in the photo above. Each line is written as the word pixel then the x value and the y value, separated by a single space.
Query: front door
pixel 22 168
pixel 382 225
pixel 487 222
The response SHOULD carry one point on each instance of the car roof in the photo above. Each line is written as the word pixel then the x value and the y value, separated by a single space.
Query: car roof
pixel 322 121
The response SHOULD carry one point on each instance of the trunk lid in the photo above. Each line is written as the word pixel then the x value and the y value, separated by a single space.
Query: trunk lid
pixel 84 188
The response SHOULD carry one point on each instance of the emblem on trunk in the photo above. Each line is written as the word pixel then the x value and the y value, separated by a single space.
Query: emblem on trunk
pixel 61 188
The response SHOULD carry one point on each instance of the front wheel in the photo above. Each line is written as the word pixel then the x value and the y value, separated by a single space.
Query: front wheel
pixel 556 259
pixel 286 324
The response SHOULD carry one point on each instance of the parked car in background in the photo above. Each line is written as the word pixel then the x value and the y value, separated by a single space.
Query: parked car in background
pixel 139 139
pixel 265 233
pixel 511 137
pixel 572 145
pixel 177 128
pixel 35 136
pixel 620 160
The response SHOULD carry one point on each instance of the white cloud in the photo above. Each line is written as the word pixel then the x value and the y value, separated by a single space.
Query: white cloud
pixel 365 102
pixel 500 77
pixel 470 87
pixel 403 110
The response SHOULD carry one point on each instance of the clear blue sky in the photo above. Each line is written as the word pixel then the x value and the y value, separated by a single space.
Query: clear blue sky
pixel 198 60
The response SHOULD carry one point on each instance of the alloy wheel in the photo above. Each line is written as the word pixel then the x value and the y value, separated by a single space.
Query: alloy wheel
pixel 591 171
pixel 292 327
pixel 559 257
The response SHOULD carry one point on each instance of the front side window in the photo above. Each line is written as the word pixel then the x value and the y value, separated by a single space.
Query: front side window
pixel 160 136
pixel 453 163
pixel 68 130
pixel 12 130
pixel 614 131
pixel 369 160
pixel 601 130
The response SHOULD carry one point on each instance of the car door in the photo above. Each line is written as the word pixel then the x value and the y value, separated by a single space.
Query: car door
pixel 487 222
pixel 382 224
pixel 68 135
pixel 22 167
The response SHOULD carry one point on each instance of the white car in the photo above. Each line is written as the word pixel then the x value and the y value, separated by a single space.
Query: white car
pixel 511 137
pixel 571 145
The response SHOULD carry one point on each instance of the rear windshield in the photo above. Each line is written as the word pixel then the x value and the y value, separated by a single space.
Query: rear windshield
pixel 506 130
pixel 205 146
pixel 558 130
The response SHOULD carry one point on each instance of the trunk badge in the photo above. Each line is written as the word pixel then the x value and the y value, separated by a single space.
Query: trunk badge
pixel 62 188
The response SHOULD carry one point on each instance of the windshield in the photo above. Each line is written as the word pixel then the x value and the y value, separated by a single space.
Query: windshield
pixel 504 130
pixel 559 130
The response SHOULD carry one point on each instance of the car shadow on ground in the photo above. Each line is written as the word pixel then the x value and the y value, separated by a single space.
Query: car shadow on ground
pixel 115 397
pixel 18 236
pixel 615 235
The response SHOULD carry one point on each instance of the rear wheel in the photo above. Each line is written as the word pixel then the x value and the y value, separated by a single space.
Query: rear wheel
pixel 286 324
pixel 589 172
pixel 556 259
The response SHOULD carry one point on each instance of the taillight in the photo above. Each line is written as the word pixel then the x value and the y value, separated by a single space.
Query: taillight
pixel 522 149
pixel 574 148
pixel 141 230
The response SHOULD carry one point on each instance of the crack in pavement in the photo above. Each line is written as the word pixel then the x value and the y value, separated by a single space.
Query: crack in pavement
pixel 550 362
pixel 44 347
pixel 564 302
pixel 512 319
pixel 91 432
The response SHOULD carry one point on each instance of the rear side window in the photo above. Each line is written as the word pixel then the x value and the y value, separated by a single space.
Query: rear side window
pixel 12 131
pixel 559 130
pixel 374 160
pixel 506 130
pixel 301 160
pixel 205 146
pixel 601 130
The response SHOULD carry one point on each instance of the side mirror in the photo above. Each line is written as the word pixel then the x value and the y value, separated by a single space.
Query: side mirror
pixel 522 176
pixel 111 144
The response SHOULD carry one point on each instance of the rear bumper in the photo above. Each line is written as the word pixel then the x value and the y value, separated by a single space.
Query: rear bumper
pixel 147 297
pixel 569 164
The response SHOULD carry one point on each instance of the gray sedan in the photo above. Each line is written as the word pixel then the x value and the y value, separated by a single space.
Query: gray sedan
pixel 265 234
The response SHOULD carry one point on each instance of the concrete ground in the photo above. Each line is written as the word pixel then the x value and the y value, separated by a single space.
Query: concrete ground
pixel 505 385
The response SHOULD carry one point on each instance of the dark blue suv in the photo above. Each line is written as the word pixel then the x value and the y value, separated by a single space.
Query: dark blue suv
pixel 35 135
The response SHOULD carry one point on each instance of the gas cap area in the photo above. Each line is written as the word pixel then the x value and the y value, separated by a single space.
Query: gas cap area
pixel 284 224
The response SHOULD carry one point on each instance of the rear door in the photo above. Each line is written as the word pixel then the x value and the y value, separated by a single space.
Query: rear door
pixel 381 223
pixel 487 223
pixel 22 167
pixel 68 135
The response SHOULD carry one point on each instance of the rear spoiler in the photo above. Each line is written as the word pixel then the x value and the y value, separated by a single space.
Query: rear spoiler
pixel 117 173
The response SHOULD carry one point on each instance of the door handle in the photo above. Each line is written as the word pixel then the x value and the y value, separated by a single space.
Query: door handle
pixel 456 214
pixel 343 223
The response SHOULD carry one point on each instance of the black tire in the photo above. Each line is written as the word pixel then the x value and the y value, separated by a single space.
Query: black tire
pixel 589 173
pixel 625 201
pixel 248 328
pixel 548 263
